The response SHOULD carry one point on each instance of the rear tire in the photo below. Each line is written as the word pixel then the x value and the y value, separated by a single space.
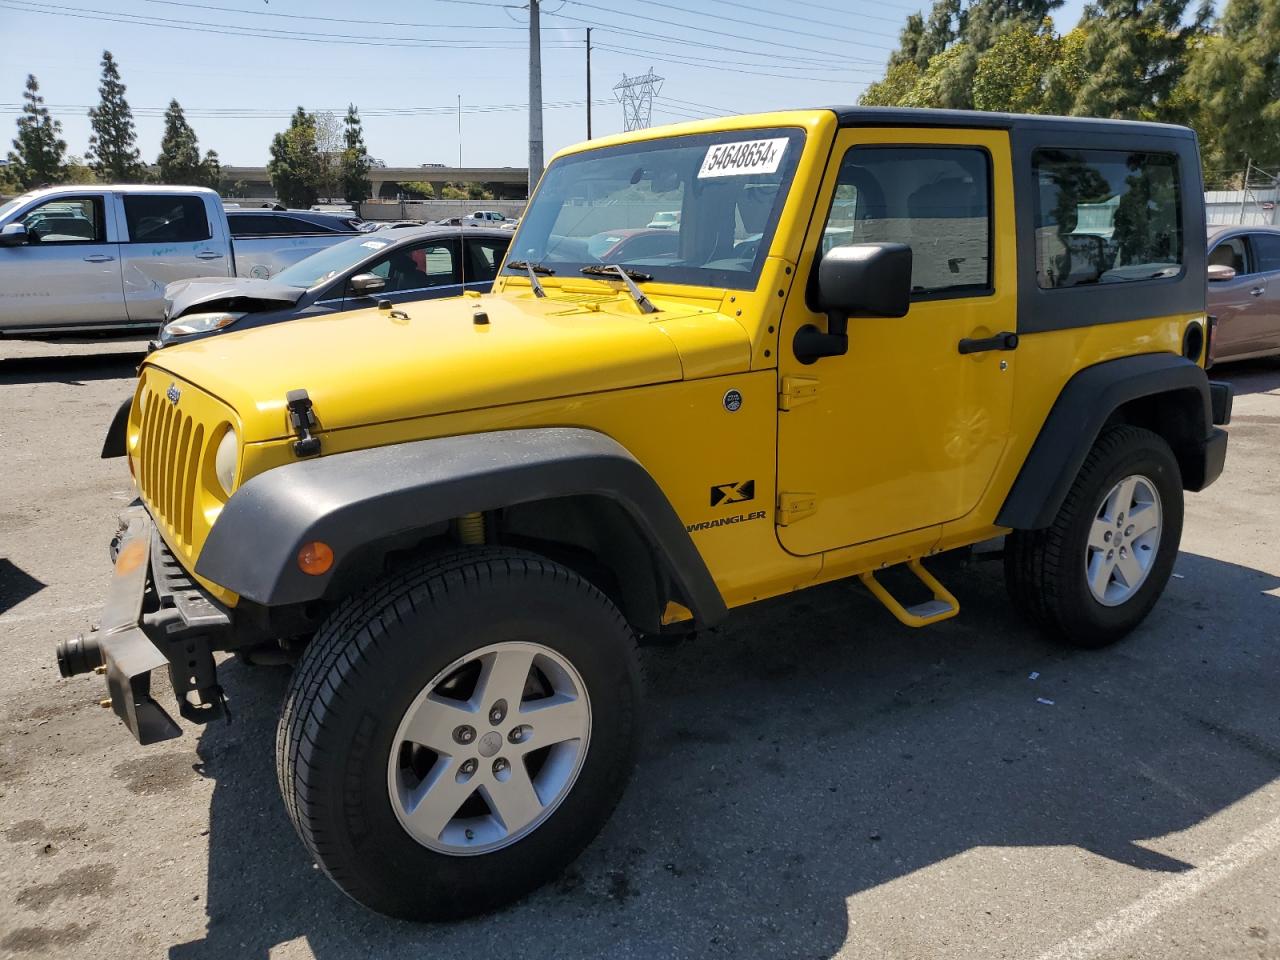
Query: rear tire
pixel 1095 573
pixel 399 668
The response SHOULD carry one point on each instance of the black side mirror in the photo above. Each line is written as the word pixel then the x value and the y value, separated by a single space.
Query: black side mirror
pixel 858 280
pixel 14 235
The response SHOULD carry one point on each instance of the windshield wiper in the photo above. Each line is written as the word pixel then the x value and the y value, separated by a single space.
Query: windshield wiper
pixel 533 269
pixel 526 265
pixel 626 276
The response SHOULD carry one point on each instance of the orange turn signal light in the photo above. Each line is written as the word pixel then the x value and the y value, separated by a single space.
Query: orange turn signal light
pixel 315 558
pixel 131 556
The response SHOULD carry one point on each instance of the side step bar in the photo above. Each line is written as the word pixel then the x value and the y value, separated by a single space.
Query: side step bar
pixel 943 606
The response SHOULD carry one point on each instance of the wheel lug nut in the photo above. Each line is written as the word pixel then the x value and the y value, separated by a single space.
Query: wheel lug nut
pixel 501 768
pixel 519 734
pixel 1128 531
pixel 498 712
pixel 464 734
pixel 1110 554
pixel 467 770
pixel 1106 537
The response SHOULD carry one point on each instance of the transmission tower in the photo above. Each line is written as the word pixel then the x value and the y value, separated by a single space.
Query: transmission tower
pixel 636 96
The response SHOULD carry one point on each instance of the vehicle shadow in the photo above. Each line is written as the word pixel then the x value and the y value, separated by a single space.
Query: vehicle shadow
pixel 1250 376
pixel 74 369
pixel 810 751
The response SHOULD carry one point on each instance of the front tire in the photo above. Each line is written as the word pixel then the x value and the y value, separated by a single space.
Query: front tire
pixel 1094 574
pixel 454 738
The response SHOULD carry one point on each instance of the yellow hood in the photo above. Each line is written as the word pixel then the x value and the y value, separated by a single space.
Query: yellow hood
pixel 368 366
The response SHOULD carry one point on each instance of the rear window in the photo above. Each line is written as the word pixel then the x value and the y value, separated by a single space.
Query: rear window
pixel 1106 216
pixel 1266 248
pixel 165 219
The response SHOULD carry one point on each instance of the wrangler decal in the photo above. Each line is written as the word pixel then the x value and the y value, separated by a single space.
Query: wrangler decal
pixel 724 521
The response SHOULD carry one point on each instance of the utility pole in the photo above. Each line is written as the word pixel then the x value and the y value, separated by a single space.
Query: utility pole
pixel 459 131
pixel 535 96
pixel 588 83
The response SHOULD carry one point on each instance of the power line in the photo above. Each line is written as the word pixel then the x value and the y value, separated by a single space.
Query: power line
pixel 791 15
pixel 231 30
pixel 346 20
pixel 722 33
pixel 264 113
pixel 748 23
pixel 753 73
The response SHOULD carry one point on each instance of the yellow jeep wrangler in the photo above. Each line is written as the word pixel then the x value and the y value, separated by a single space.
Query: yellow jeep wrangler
pixel 871 336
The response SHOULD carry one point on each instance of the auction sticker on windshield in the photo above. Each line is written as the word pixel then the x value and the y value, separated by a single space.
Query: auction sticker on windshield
pixel 747 156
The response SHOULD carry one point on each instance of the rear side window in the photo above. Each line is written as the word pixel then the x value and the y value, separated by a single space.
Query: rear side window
pixel 937 200
pixel 419 268
pixel 1266 247
pixel 1106 216
pixel 1232 253
pixel 165 219
pixel 264 225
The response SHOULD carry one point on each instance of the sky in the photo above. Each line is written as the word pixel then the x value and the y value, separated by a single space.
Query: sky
pixel 240 67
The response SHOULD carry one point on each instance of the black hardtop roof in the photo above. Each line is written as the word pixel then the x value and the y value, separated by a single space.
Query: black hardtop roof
pixel 980 119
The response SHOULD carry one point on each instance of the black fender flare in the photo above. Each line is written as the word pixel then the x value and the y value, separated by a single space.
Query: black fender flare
pixel 115 442
pixel 351 499
pixel 1087 401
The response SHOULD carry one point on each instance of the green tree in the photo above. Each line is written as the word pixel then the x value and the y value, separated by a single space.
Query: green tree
pixel 295 166
pixel 113 151
pixel 1233 82
pixel 1013 73
pixel 79 172
pixel 180 161
pixel 899 80
pixel 39 154
pixel 1135 54
pixel 356 187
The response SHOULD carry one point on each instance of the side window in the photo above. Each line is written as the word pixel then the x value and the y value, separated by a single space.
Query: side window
pixel 486 255
pixel 67 220
pixel 1266 247
pixel 250 225
pixel 937 200
pixel 1106 216
pixel 417 268
pixel 292 226
pixel 165 218
pixel 1231 253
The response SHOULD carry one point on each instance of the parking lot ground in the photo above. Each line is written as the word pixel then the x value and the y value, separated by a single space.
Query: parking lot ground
pixel 816 781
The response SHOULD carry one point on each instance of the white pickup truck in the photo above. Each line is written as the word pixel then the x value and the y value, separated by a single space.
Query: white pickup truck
pixel 96 257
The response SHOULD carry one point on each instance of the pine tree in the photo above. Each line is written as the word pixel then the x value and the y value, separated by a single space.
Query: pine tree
pixel 113 152
pixel 295 167
pixel 355 160
pixel 39 154
pixel 180 162
pixel 1135 54
pixel 1234 82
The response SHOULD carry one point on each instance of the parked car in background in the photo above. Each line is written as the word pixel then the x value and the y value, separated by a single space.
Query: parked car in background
pixel 77 258
pixel 371 226
pixel 489 218
pixel 626 244
pixel 394 266
pixel 665 220
pixel 1244 291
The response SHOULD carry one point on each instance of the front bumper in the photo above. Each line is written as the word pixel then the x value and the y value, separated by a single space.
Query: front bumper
pixel 155 616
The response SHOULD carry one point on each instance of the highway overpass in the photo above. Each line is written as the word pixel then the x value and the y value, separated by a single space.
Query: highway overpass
pixel 506 183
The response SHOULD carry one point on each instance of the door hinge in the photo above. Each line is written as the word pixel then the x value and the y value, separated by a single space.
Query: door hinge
pixel 795 506
pixel 795 391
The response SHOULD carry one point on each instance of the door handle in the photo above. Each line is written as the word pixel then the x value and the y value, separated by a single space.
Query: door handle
pixel 1001 341
pixel 98 258
pixel 208 255
pixel 1256 292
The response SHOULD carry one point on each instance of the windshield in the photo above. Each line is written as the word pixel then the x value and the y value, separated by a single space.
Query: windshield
pixel 330 262
pixel 695 210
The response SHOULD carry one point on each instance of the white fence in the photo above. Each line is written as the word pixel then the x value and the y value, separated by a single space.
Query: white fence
pixel 436 209
pixel 1253 206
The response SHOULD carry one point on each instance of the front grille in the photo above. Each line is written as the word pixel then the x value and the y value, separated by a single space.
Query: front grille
pixel 172 449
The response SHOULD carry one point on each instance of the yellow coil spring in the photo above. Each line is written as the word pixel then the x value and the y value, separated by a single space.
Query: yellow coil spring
pixel 471 529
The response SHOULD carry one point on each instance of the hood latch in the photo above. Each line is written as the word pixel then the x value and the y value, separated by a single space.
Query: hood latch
pixel 302 419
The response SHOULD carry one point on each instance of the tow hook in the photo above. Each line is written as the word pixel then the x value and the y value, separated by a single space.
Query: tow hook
pixel 81 655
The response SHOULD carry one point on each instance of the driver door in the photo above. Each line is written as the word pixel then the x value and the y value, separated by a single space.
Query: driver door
pixel 903 432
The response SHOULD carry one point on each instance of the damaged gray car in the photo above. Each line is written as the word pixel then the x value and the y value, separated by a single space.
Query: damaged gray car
pixel 413 264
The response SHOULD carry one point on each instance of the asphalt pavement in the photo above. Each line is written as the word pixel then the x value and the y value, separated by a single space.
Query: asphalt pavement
pixel 816 780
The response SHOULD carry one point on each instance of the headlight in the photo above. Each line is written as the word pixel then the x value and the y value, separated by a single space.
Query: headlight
pixel 198 323
pixel 224 461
